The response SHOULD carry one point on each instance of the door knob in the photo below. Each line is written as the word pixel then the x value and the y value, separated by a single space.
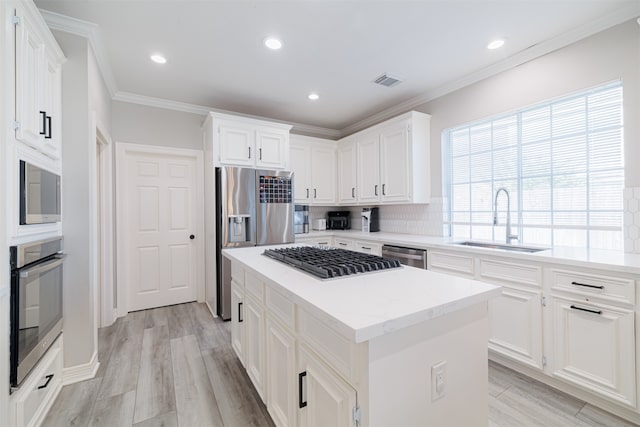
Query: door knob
pixel 192 237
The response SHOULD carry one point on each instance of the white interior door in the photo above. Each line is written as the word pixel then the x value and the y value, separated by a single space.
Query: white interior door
pixel 159 211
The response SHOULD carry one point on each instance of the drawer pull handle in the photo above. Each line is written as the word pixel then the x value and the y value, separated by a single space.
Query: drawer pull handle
pixel 49 378
pixel 586 309
pixel 240 319
pixel 342 244
pixel 301 376
pixel 364 247
pixel 587 286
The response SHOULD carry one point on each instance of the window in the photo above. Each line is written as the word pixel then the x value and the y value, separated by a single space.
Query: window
pixel 561 162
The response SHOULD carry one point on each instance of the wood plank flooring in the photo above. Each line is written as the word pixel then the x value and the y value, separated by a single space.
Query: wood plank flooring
pixel 174 367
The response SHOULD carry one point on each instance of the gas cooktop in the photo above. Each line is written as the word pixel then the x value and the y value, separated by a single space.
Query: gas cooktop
pixel 329 263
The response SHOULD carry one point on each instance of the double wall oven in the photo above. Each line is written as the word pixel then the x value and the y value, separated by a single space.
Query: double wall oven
pixel 36 303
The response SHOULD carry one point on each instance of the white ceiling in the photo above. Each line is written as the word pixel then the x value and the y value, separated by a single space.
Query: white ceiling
pixel 336 48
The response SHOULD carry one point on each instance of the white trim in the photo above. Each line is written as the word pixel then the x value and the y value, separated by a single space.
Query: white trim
pixel 621 15
pixel 86 371
pixel 184 107
pixel 105 225
pixel 90 31
pixel 122 149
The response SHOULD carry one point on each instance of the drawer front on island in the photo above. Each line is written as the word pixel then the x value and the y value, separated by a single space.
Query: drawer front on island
pixel 367 247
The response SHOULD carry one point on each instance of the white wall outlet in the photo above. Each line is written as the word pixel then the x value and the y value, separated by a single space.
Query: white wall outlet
pixel 438 380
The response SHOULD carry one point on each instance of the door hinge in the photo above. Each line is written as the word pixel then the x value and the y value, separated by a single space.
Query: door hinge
pixel 357 416
pixel 544 360
pixel 15 124
pixel 543 301
pixel 16 20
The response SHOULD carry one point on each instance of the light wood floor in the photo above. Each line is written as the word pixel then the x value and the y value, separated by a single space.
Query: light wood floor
pixel 174 366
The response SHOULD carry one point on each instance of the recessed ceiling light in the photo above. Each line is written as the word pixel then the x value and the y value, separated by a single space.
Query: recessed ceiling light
pixel 272 43
pixel 495 44
pixel 159 59
pixel 313 96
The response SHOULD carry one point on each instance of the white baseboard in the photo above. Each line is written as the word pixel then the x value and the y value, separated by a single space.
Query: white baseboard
pixel 212 311
pixel 83 372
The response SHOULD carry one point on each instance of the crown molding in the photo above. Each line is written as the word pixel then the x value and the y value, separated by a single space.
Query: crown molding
pixel 607 21
pixel 92 33
pixel 184 107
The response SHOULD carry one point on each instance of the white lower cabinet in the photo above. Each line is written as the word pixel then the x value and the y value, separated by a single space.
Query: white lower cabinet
pixel 237 320
pixel 281 374
pixel 254 355
pixel 515 325
pixel 38 391
pixel 594 348
pixel 343 243
pixel 325 399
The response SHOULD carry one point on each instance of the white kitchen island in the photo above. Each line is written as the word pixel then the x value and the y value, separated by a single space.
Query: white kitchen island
pixel 366 348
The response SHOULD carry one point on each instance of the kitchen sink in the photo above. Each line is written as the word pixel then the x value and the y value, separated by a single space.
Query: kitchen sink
pixel 505 247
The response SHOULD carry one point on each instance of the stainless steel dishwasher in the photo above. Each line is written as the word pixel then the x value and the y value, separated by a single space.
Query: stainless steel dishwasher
pixel 407 256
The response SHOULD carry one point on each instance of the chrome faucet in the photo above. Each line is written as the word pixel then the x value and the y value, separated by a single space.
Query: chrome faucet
pixel 510 236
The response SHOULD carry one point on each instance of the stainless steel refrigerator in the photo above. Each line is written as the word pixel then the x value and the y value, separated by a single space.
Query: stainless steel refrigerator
pixel 253 207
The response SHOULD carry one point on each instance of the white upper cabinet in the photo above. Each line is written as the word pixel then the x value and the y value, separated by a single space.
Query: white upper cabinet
pixel 347 167
pixel 392 162
pixel 238 141
pixel 313 162
pixel 368 169
pixel 38 85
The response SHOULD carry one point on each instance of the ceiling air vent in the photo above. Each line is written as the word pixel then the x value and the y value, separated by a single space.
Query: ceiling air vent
pixel 387 80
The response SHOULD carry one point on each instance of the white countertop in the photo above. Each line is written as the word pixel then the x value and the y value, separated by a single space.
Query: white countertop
pixel 365 306
pixel 617 261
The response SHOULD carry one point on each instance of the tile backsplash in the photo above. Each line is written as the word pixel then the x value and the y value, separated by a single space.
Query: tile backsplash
pixel 408 219
pixel 632 220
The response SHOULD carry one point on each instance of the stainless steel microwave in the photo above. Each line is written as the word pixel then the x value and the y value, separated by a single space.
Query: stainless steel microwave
pixel 39 195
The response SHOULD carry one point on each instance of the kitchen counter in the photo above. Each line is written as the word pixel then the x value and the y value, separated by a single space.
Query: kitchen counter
pixel 578 257
pixel 365 306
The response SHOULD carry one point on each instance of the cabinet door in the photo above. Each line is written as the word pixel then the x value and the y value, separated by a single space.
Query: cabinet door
pixel 53 108
pixel 300 165
pixel 237 144
pixel 271 147
pixel 30 73
pixel 254 351
pixel 324 398
pixel 323 175
pixel 515 326
pixel 594 348
pixel 281 375
pixel 395 165
pixel 237 320
pixel 368 169
pixel 347 167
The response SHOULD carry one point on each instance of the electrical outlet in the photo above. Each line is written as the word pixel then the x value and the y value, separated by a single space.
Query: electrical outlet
pixel 438 380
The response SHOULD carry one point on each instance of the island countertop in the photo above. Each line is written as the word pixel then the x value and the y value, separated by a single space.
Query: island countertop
pixel 365 306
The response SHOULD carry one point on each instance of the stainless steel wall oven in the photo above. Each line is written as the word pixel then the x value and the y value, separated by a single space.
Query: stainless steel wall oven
pixel 36 303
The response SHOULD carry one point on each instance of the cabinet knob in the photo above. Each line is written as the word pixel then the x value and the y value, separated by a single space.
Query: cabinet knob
pixel 192 236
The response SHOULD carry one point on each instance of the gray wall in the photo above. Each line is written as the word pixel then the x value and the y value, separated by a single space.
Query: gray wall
pixel 140 124
pixel 78 157
pixel 609 55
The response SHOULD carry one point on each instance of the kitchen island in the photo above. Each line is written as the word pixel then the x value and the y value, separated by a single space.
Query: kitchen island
pixel 397 347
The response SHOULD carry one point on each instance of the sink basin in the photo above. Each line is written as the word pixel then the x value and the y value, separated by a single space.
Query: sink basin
pixel 505 247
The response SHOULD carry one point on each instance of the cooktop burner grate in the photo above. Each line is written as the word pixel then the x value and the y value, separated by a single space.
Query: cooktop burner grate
pixel 329 263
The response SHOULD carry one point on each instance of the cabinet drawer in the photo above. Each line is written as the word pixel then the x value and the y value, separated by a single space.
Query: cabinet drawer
pixel 254 286
pixel 338 351
pixel 281 307
pixel 612 289
pixel 510 273
pixel 343 243
pixel 459 265
pixel 34 398
pixel 368 247
pixel 237 273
